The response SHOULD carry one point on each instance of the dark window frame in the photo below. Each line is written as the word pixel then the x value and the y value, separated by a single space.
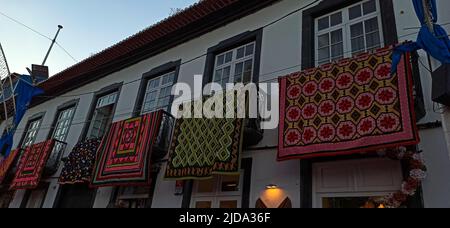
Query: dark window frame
pixel 156 72
pixel 35 117
pixel 229 44
pixel 390 34
pixel 117 87
pixel 68 105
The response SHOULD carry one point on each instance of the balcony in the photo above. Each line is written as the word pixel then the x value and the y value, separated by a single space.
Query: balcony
pixel 54 159
pixel 164 137
pixel 253 134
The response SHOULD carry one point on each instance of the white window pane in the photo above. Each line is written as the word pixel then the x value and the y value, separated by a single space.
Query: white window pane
pixel 218 75
pixel 371 25
pixel 357 30
pixel 324 55
pixel 373 40
pixel 226 72
pixel 229 57
pixel 323 23
pixel 355 12
pixel 336 19
pixel 220 60
pixel 336 36
pixel 239 69
pixel 240 53
pixel 369 7
pixel 324 40
pixel 250 49
pixel 358 45
pixel 337 51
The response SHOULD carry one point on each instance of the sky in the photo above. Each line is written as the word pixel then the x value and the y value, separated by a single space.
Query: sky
pixel 89 27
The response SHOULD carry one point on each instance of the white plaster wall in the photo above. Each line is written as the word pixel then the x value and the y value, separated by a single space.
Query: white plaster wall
pixel 281 49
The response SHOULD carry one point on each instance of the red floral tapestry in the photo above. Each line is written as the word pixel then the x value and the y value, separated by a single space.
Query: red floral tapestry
pixel 5 165
pixel 123 157
pixel 31 165
pixel 353 106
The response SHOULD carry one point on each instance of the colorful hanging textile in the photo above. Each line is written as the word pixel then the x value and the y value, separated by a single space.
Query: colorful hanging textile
pixel 5 165
pixel 123 157
pixel 353 106
pixel 31 165
pixel 80 163
pixel 204 147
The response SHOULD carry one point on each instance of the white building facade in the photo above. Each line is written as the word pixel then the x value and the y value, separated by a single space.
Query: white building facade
pixel 264 44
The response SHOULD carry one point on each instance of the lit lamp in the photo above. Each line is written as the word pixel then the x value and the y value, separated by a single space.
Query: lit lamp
pixel 272 187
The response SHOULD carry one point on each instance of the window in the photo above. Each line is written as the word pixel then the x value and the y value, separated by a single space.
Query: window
pixel 102 116
pixel 235 66
pixel 158 93
pixel 219 192
pixel 31 132
pixel 133 197
pixel 349 31
pixel 63 123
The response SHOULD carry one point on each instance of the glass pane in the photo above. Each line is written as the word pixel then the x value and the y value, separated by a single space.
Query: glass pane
pixel 230 204
pixel 323 23
pixel 369 7
pixel 324 40
pixel 355 12
pixel 348 203
pixel 249 50
pixel 240 53
pixel 206 186
pixel 220 60
pixel 371 25
pixel 248 68
pixel 324 55
pixel 336 19
pixel 358 45
pixel 357 30
pixel 337 51
pixel 218 76
pixel 227 72
pixel 203 205
pixel 336 36
pixel 373 40
pixel 230 183
pixel 238 72
pixel 229 57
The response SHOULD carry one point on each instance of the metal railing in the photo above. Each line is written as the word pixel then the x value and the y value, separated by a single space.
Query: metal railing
pixel 54 160
pixel 164 137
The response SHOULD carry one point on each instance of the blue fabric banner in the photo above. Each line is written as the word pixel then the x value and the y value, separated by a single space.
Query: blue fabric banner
pixel 437 44
pixel 25 92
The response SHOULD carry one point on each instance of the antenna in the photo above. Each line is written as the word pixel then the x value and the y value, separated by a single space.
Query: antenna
pixel 51 46
pixel 6 74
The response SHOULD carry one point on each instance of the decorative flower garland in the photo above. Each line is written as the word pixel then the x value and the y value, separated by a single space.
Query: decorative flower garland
pixel 417 173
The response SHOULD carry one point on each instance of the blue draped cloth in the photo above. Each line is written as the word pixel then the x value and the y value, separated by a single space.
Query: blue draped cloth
pixel 437 44
pixel 25 92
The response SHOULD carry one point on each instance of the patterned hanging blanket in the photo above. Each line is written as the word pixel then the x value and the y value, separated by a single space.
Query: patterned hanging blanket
pixel 31 165
pixel 80 163
pixel 123 157
pixel 204 147
pixel 6 164
pixel 352 106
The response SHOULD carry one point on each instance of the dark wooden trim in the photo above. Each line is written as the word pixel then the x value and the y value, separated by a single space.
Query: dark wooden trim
pixel 154 73
pixel 33 118
pixel 231 43
pixel 246 165
pixel 187 194
pixel 328 6
pixel 117 87
pixel 192 31
pixel 70 104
